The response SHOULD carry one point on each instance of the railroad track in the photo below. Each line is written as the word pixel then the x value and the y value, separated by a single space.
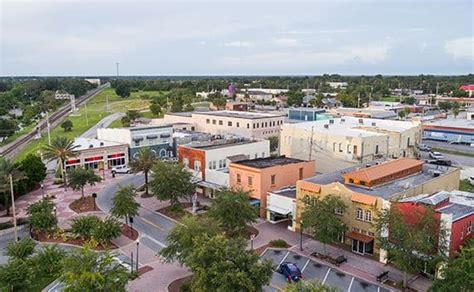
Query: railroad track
pixel 8 149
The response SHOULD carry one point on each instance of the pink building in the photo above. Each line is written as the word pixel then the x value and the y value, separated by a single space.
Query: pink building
pixel 263 175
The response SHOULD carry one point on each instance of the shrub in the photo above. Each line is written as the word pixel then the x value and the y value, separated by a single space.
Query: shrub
pixel 48 259
pixel 41 216
pixel 278 243
pixel 106 230
pixel 22 249
pixel 83 226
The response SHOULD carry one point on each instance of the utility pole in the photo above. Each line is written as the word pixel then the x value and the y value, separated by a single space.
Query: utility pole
pixel 87 119
pixel 311 143
pixel 107 103
pixel 437 88
pixel 117 65
pixel 13 208
pixel 48 126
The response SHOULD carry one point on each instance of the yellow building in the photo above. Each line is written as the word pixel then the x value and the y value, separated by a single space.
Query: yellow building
pixel 366 190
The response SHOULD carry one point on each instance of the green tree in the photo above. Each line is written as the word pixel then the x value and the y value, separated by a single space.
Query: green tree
pixel 34 172
pixel 409 100
pixel 106 230
pixel 125 121
pixel 182 237
pixel 80 177
pixel 124 204
pixel 408 240
pixel 7 169
pixel 133 115
pixel 83 226
pixel 41 216
pixel 188 108
pixel 232 210
pixel 60 149
pixel 456 109
pixel 403 113
pixel 345 99
pixel 445 105
pixel 155 109
pixel 274 141
pixel 320 218
pixel 221 264
pixel 67 126
pixel 123 89
pixel 171 181
pixel 20 250
pixel 457 275
pixel 144 162
pixel 7 127
pixel 295 98
pixel 86 270
pixel 16 275
pixel 47 260
pixel 308 286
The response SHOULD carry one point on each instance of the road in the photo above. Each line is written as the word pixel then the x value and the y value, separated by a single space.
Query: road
pixel 104 123
pixel 152 226
pixel 461 160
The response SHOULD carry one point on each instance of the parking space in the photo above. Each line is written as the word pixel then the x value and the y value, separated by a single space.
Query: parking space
pixel 313 270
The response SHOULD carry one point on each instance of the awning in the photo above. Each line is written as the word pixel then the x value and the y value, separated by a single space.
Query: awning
pixel 254 202
pixel 209 185
pixel 360 237
pixel 278 210
pixel 151 136
pixel 308 186
pixel 364 199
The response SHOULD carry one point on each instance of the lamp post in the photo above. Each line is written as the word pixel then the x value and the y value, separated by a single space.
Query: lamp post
pixel 252 237
pixel 94 195
pixel 54 210
pixel 301 235
pixel 136 262
pixel 130 219
pixel 42 189
pixel 13 207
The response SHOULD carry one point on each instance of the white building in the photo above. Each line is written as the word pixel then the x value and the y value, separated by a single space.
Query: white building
pixel 269 90
pixel 343 142
pixel 61 94
pixel 93 81
pixel 98 154
pixel 340 85
pixel 281 205
pixel 254 125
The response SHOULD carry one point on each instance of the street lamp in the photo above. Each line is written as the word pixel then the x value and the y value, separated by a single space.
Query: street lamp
pixel 301 235
pixel 130 219
pixel 94 195
pixel 42 189
pixel 54 209
pixel 252 237
pixel 138 244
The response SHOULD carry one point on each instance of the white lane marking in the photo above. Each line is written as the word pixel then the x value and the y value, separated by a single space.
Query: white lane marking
pixel 325 277
pixel 378 289
pixel 284 258
pixel 304 267
pixel 154 240
pixel 350 286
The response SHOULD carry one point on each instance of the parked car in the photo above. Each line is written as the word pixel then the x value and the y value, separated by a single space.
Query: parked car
pixel 471 180
pixel 121 169
pixel 423 147
pixel 436 155
pixel 440 162
pixel 291 271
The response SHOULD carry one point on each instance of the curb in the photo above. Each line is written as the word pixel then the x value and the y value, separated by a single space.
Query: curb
pixel 12 229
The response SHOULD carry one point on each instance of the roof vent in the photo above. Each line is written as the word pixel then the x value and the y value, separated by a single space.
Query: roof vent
pixel 343 120
pixel 101 143
pixel 326 126
pixel 374 124
pixel 91 146
pixel 361 121
pixel 331 121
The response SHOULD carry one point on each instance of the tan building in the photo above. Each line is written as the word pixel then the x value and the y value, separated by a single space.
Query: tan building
pixel 344 142
pixel 367 190
pixel 252 125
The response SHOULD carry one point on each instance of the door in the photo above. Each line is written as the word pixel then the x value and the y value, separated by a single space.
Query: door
pixel 358 246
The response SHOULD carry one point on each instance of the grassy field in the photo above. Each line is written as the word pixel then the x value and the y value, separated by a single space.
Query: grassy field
pixel 96 110
pixel 464 185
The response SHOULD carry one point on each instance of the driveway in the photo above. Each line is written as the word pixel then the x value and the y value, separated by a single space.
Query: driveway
pixel 316 271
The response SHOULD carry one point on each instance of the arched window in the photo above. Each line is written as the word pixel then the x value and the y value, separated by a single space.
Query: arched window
pixel 163 153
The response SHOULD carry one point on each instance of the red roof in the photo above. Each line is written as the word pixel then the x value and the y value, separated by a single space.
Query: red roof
pixel 467 87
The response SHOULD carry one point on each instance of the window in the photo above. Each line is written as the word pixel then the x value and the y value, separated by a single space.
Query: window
pixel 338 211
pixel 300 175
pixel 351 181
pixel 334 147
pixel 197 165
pixel 469 227
pixel 222 163
pixel 229 123
pixel 257 125
pixel 220 123
pixel 376 149
pixel 208 121
pixel 212 164
pixel 185 162
pixel 408 142
pixel 239 178
pixel 340 147
pixel 263 154
pixel 256 155
pixel 237 124
pixel 348 149
pixel 213 122
pixel 355 150
pixel 368 216
pixel 137 143
pixel 362 183
pixel 249 180
pixel 356 229
pixel 253 126
pixel 273 179
pixel 248 126
pixel 359 214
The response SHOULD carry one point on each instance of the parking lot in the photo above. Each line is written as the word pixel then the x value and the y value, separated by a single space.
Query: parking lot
pixel 313 270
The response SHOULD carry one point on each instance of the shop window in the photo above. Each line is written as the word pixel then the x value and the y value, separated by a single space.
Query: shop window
pixel 239 178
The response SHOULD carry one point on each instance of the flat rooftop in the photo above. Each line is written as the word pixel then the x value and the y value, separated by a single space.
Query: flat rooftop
pixel 218 144
pixel 86 143
pixel 351 126
pixel 390 189
pixel 240 114
pixel 268 161
pixel 288 191
pixel 453 123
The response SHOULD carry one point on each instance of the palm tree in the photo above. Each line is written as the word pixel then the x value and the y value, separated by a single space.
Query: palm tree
pixel 61 148
pixel 7 168
pixel 144 162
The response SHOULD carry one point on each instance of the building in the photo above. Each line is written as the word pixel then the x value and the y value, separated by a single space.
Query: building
pixel 157 138
pixel 251 125
pixel 344 142
pixel 383 114
pixel 262 175
pixel 470 114
pixel 281 206
pixel 61 94
pixel 460 131
pixel 366 190
pixel 455 209
pixel 95 81
pixel 468 87
pixel 307 99
pixel 339 85
pixel 307 114
pixel 237 106
pixel 98 154
pixel 209 161
pixel 254 95
pixel 269 90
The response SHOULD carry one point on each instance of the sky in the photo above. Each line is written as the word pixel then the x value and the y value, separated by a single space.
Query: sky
pixel 88 38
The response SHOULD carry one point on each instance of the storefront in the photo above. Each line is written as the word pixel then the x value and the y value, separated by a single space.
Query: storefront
pixel 361 244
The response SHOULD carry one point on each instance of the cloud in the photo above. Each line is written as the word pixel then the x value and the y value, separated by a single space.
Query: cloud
pixel 461 48
pixel 285 42
pixel 239 44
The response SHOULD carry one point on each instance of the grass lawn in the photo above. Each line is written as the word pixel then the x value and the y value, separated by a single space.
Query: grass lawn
pixel 116 124
pixel 454 152
pixel 464 185
pixel 95 112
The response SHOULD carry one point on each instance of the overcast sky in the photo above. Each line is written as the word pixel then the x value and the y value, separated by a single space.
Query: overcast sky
pixel 246 37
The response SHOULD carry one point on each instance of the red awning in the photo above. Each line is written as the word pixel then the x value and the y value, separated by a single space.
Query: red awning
pixel 360 237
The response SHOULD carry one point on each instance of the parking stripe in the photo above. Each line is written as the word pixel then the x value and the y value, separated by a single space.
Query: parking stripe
pixel 284 258
pixel 325 277
pixel 350 285
pixel 304 266
pixel 378 288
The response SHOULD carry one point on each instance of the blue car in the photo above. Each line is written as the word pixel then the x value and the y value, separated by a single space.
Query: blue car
pixel 290 271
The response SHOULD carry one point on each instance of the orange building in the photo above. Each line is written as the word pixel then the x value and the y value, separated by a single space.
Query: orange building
pixel 263 175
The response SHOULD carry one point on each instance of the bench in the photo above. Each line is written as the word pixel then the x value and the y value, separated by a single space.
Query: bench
pixel 383 276
pixel 339 260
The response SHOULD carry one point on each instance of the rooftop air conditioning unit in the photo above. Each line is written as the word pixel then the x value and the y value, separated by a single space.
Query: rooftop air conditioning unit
pixel 101 143
pixel 361 121
pixel 343 120
pixel 331 121
pixel 91 146
pixel 374 124
pixel 326 126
